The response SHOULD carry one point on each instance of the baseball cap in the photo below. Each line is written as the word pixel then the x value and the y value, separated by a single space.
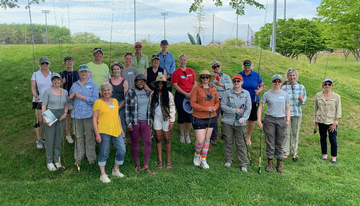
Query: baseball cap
pixel 43 60
pixel 155 56
pixel 140 76
pixel 276 76
pixel 328 80
pixel 215 62
pixel 55 75
pixel 68 58
pixel 164 42
pixel 98 49
pixel 237 76
pixel 138 43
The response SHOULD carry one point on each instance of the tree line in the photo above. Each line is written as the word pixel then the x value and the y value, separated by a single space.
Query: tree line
pixel 21 34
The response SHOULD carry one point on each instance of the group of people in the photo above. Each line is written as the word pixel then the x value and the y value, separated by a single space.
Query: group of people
pixel 138 99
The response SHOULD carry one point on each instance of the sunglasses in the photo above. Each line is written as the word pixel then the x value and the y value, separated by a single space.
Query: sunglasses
pixel 247 64
pixel 236 81
pixel 327 84
pixel 44 63
pixel 277 81
pixel 205 77
pixel 215 66
pixel 138 47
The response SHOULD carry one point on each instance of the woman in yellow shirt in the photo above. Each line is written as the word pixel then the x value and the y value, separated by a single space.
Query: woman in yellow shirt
pixel 107 127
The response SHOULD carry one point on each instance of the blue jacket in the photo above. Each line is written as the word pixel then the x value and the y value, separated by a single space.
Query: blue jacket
pixel 167 62
pixel 84 109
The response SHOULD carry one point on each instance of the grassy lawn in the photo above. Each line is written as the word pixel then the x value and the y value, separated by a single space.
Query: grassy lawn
pixel 25 180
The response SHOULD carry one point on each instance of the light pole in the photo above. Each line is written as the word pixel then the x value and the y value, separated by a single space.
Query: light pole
pixel 46 12
pixel 164 14
pixel 274 28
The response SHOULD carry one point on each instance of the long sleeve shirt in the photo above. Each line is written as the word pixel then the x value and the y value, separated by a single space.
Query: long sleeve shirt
pixel 199 103
pixel 226 80
pixel 232 101
pixel 294 91
pixel 84 109
pixel 131 108
pixel 167 62
pixel 326 111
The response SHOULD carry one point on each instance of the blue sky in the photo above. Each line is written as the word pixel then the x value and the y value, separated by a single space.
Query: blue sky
pixel 99 17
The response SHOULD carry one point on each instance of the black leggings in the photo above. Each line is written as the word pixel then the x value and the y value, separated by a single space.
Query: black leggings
pixel 183 117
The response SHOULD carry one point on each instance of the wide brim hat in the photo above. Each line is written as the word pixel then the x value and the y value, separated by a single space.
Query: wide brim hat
pixel 160 78
pixel 204 72
pixel 187 106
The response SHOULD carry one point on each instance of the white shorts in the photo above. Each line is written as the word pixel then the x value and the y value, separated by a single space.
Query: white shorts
pixel 160 124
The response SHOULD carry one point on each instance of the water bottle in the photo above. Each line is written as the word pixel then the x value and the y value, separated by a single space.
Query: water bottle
pixel 238 116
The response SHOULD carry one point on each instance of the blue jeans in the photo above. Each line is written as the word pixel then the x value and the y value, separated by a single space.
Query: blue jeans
pixel 119 145
pixel 122 118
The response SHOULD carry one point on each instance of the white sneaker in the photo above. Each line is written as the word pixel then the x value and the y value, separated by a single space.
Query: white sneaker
pixel 51 167
pixel 244 169
pixel 39 144
pixel 187 139
pixel 227 165
pixel 117 174
pixel 105 179
pixel 196 159
pixel 204 164
pixel 182 138
pixel 69 139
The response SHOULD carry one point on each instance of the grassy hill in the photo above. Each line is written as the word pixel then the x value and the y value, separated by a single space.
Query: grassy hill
pixel 24 178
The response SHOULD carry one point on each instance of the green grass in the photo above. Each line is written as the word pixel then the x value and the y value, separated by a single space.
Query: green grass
pixel 25 180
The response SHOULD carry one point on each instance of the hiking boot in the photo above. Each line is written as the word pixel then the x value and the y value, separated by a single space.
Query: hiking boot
pixel 204 164
pixel 269 167
pixel 187 138
pixel 182 138
pixel 279 166
pixel 196 159
pixel 39 144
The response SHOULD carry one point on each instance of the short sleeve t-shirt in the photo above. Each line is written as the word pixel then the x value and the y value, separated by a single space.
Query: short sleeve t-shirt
pixel 108 119
pixel 99 73
pixel 251 83
pixel 70 77
pixel 129 75
pixel 43 83
pixel 53 101
pixel 184 79
pixel 276 103
pixel 143 102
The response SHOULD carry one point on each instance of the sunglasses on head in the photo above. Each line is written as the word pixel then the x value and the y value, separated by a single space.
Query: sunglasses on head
pixel 236 81
pixel 327 84
pixel 215 66
pixel 83 67
pixel 44 63
pixel 205 77
pixel 277 81
pixel 98 48
pixel 247 64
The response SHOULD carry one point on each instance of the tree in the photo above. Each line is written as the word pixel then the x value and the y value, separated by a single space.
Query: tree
pixel 14 3
pixel 293 37
pixel 86 38
pixel 238 5
pixel 341 24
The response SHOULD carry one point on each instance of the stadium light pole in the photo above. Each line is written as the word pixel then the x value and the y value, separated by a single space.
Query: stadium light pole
pixel 285 9
pixel 274 29
pixel 164 14
pixel 46 12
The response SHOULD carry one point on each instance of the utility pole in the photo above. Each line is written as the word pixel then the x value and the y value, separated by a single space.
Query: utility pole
pixel 284 9
pixel 46 12
pixel 164 14
pixel 237 29
pixel 274 29
pixel 134 21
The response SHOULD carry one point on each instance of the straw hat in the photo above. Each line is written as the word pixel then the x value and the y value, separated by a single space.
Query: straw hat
pixel 160 78
pixel 204 72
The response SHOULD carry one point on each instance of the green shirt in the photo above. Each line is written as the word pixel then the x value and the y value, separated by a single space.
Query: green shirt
pixel 99 73
pixel 140 63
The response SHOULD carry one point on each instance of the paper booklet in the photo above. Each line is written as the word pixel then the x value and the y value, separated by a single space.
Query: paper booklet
pixel 49 117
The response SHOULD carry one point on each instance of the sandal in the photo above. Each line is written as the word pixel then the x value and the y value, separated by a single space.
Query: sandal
pixel 159 165
pixel 168 165
pixel 296 158
pixel 137 168
pixel 149 171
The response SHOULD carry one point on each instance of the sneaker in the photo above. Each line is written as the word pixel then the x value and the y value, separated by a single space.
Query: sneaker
pixel 105 179
pixel 213 142
pixel 182 138
pixel 51 167
pixel 244 169
pixel 117 174
pixel 69 139
pixel 58 166
pixel 227 165
pixel 204 164
pixel 196 159
pixel 187 139
pixel 39 144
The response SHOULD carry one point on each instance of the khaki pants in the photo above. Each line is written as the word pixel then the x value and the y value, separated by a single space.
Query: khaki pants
pixel 84 127
pixel 294 125
pixel 237 133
